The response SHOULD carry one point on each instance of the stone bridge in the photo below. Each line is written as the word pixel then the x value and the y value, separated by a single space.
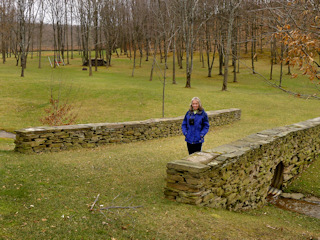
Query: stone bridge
pixel 237 176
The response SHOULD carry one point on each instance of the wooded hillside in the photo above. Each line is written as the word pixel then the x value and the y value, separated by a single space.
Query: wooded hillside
pixel 229 29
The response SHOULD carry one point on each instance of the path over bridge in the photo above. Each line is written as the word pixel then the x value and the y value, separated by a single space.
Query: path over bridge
pixel 238 175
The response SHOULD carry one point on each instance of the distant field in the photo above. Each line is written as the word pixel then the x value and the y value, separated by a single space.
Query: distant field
pixel 112 95
pixel 48 196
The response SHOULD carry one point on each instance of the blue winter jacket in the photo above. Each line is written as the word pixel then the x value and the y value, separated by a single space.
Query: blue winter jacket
pixel 195 133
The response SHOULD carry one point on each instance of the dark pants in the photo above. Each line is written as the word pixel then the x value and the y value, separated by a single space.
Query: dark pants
pixel 192 148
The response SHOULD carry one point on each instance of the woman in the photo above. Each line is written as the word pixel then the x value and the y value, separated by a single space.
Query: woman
pixel 195 126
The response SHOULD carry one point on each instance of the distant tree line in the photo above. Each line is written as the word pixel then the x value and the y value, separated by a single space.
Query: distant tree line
pixel 140 29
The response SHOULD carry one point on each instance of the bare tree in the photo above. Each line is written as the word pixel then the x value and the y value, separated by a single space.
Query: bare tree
pixel 167 31
pixel 57 18
pixel 6 24
pixel 66 29
pixel 191 26
pixel 26 13
pixel 189 14
pixel 85 12
pixel 232 6
pixel 209 34
pixel 137 29
pixel 41 20
pixel 71 27
pixel 109 16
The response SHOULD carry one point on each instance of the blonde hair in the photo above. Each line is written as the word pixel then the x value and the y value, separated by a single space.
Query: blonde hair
pixel 198 100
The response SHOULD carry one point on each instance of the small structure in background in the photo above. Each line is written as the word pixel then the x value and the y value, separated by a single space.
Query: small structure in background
pixel 100 62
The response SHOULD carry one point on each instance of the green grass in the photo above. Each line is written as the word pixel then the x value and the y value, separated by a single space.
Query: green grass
pixel 112 95
pixel 37 190
pixel 309 182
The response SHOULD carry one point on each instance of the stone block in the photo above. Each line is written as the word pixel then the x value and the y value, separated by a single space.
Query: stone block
pixel 169 192
pixel 189 200
pixel 214 164
pixel 88 145
pixel 61 135
pixel 208 197
pixel 23 150
pixel 31 144
pixel 55 145
pixel 223 149
pixel 218 202
pixel 201 157
pixel 175 178
pixel 131 132
pixel 190 194
pixel 296 196
pixel 226 175
pixel 232 198
pixel 126 140
pixel 218 191
pixel 195 181
pixel 183 187
pixel 183 165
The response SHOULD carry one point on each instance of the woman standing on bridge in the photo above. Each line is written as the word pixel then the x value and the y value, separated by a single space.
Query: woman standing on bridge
pixel 195 126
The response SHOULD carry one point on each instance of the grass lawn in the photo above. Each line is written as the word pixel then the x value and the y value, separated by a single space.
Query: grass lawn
pixel 48 196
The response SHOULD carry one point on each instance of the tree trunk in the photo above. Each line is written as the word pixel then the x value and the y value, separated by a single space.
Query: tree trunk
pixel 40 43
pixel 3 49
pixel 22 32
pixel 71 27
pixel 163 90
pixel 160 50
pixel 88 35
pixel 189 63
pixel 154 59
pixel 288 63
pixel 271 51
pixel 134 58
pixel 147 49
pixel 66 30
pixel 188 83
pixel 234 50
pixel 32 46
pixel 96 37
pixel 174 61
pixel 141 54
pixel 246 36
pixel 179 57
pixel 228 47
pixel 252 48
pixel 281 64
pixel 208 48
pixel 221 59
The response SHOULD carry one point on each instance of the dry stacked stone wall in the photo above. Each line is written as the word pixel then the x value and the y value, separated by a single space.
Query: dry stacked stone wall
pixel 237 175
pixel 50 139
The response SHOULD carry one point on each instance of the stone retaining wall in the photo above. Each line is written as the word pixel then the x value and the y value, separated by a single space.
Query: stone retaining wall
pixel 237 175
pixel 50 139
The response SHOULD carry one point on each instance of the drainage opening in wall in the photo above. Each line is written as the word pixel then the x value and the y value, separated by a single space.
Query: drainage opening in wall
pixel 275 188
pixel 309 207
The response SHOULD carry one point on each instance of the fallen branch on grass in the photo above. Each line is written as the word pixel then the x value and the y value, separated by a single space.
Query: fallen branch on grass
pixel 114 207
pixel 94 203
